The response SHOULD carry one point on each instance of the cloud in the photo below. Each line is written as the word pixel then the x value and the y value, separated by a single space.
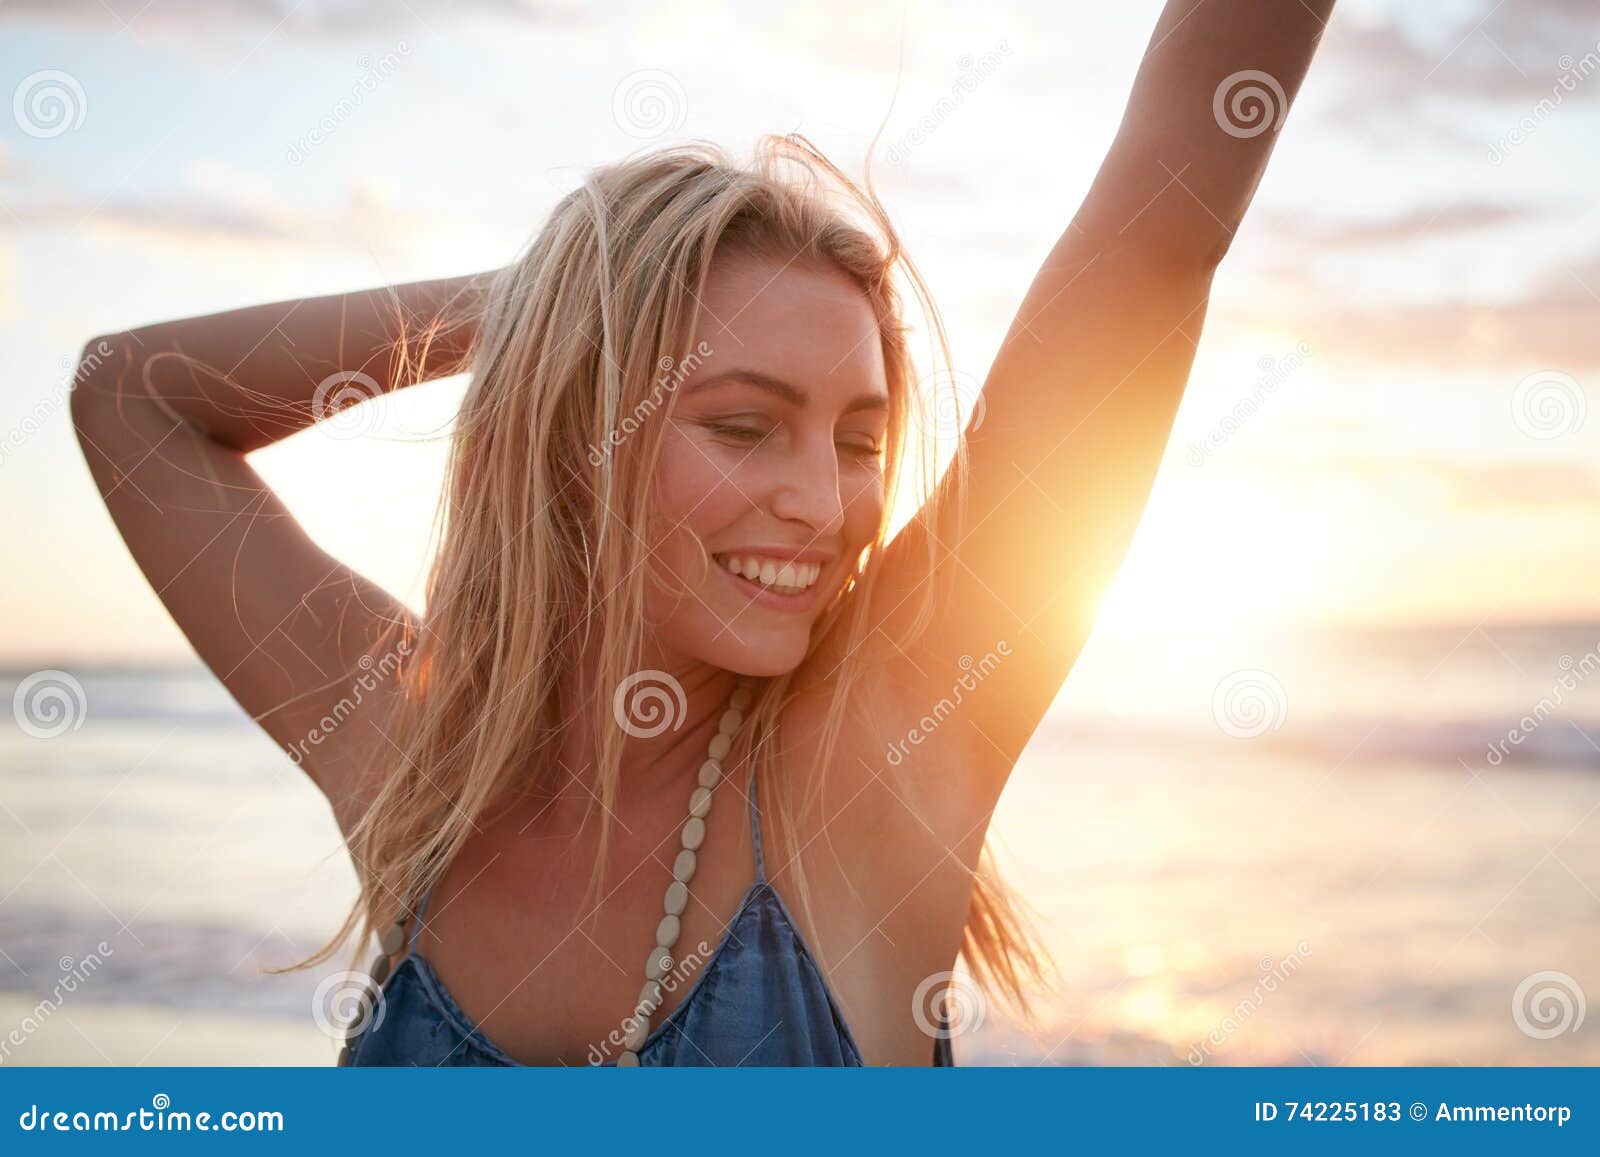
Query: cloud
pixel 1422 223
pixel 1448 485
pixel 189 219
pixel 200 19
pixel 1552 326
pixel 1537 34
pixel 368 222
pixel 8 283
pixel 1483 488
pixel 1543 321
pixel 1503 52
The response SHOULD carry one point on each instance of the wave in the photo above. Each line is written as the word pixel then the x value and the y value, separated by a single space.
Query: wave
pixel 1477 743
pixel 189 695
pixel 202 965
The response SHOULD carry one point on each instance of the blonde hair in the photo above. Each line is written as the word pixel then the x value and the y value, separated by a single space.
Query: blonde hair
pixel 574 337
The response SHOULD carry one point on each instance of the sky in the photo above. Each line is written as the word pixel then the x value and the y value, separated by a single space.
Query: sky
pixel 1388 420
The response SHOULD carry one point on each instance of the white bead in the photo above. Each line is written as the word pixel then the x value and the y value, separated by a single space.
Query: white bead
pixel 638 1030
pixel 683 866
pixel 649 997
pixel 393 937
pixel 700 802
pixel 660 961
pixel 677 898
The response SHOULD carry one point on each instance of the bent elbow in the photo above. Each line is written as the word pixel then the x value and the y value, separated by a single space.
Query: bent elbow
pixel 95 360
pixel 1190 245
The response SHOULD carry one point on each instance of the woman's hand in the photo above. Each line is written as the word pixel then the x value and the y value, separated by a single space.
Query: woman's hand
pixel 249 377
pixel 165 423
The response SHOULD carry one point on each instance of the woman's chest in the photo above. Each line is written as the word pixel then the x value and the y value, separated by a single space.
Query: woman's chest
pixel 550 967
pixel 550 963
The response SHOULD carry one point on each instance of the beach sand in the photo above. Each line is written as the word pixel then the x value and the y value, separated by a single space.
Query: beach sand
pixel 137 1034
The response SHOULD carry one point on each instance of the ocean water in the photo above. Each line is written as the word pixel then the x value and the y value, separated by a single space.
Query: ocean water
pixel 1358 847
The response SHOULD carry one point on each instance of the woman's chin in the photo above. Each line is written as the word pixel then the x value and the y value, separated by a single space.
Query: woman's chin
pixel 737 638
pixel 759 659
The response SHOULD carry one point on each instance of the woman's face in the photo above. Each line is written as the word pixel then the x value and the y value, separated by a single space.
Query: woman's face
pixel 774 459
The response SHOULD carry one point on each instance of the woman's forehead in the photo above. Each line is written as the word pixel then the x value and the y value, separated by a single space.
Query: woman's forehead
pixel 791 319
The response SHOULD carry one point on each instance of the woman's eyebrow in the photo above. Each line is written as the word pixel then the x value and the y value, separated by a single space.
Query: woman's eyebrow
pixel 787 391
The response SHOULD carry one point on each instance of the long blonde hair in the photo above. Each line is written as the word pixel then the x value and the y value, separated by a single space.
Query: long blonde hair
pixel 539 513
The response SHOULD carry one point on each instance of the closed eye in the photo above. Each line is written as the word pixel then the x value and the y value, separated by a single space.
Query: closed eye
pixel 744 433
pixel 754 436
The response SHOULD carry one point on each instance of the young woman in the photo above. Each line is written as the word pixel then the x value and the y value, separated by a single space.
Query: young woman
pixel 687 762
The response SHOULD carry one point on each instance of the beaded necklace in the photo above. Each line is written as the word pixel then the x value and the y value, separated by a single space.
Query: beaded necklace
pixel 660 960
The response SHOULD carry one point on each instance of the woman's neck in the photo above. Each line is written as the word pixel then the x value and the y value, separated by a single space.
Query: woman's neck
pixel 665 717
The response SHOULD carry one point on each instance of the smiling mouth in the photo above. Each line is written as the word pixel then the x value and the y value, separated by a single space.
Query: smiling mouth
pixel 783 578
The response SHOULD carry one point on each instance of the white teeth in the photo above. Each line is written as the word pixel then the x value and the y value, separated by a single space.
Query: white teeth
pixel 789 577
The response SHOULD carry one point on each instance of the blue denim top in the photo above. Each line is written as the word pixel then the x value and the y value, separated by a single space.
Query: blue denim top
pixel 760 999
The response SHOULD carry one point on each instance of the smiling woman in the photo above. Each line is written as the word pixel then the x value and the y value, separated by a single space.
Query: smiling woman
pixel 782 484
pixel 666 576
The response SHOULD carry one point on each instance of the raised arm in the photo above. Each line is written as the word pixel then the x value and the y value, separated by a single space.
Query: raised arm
pixel 1080 401
pixel 165 415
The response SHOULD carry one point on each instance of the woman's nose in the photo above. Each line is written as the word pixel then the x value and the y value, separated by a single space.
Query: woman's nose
pixel 807 489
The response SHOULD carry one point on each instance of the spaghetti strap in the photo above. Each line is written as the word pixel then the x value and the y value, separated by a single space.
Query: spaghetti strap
pixel 416 918
pixel 755 830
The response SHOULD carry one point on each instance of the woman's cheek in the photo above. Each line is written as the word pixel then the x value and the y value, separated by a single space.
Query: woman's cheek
pixel 688 480
pixel 865 507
